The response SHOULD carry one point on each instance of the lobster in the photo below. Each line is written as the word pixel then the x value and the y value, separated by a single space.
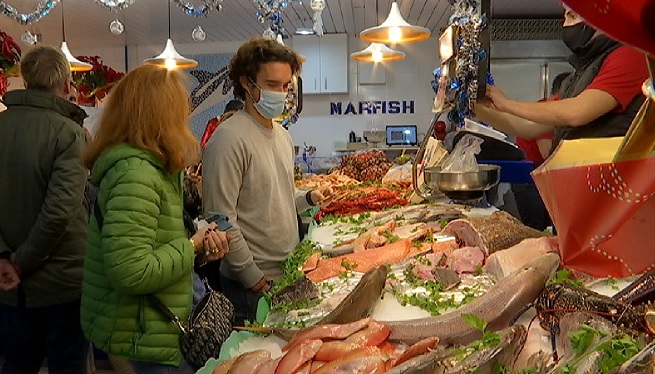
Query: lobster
pixel 559 298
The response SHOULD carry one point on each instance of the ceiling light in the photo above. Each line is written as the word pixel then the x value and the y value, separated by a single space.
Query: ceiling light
pixel 395 30
pixel 170 58
pixel 75 64
pixel 377 52
pixel 304 31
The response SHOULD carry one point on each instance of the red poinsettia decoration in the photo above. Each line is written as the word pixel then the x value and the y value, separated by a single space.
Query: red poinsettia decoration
pixel 94 84
pixel 9 60
pixel 10 56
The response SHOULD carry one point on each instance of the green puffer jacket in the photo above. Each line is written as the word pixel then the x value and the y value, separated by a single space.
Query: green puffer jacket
pixel 142 249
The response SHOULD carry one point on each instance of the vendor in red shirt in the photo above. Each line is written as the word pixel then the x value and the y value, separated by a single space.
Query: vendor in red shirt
pixel 232 107
pixel 537 149
pixel 599 99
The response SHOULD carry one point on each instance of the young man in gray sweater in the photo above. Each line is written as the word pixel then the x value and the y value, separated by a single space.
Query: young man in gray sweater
pixel 248 175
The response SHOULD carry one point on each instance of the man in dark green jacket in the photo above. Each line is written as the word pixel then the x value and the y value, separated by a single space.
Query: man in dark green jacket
pixel 43 221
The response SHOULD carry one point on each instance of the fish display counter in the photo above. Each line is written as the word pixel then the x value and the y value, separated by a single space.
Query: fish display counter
pixel 437 288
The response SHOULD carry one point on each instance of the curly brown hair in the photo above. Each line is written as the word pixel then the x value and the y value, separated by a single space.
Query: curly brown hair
pixel 253 54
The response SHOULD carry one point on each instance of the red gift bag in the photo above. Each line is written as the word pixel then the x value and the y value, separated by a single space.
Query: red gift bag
pixel 600 194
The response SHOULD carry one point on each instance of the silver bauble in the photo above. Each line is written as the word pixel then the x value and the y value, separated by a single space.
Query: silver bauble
pixel 198 34
pixel 116 27
pixel 28 38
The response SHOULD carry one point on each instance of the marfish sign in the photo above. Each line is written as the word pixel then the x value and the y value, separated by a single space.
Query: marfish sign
pixel 371 107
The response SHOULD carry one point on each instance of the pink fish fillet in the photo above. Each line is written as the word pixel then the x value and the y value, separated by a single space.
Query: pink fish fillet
pixel 269 366
pixel 298 356
pixel 225 366
pixel 328 331
pixel 422 347
pixel 373 335
pixel 363 365
pixel 248 363
pixel 335 365
pixel 393 253
pixel 504 262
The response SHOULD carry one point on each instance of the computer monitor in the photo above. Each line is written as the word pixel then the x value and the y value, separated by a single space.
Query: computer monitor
pixel 399 135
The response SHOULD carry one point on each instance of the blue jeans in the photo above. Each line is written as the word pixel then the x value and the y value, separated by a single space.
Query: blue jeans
pixel 244 300
pixel 152 368
pixel 31 334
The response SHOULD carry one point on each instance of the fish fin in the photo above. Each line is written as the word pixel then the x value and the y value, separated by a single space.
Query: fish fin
pixel 285 334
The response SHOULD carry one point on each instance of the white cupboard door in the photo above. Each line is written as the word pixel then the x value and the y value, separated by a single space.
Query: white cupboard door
pixel 334 63
pixel 309 47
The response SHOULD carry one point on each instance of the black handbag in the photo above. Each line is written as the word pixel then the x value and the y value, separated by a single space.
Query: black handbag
pixel 209 324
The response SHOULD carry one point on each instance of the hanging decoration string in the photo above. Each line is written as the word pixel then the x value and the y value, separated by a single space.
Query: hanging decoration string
pixel 202 11
pixel 270 11
pixel 317 7
pixel 115 5
pixel 42 10
pixel 463 84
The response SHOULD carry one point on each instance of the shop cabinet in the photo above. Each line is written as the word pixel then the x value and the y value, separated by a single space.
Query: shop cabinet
pixel 326 68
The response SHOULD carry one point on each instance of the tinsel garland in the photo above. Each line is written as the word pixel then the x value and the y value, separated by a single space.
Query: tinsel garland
pixel 201 11
pixel 290 114
pixel 463 84
pixel 43 8
pixel 115 5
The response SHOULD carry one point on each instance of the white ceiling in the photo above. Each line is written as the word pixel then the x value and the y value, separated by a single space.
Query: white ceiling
pixel 146 21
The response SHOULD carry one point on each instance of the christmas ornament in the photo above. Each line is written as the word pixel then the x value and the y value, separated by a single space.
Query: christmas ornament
pixel 28 38
pixel 116 27
pixel 198 34
pixel 201 11
pixel 42 9
pixel 318 6
pixel 115 5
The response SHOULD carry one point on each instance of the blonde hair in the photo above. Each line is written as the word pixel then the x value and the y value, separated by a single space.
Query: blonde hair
pixel 148 109
pixel 45 68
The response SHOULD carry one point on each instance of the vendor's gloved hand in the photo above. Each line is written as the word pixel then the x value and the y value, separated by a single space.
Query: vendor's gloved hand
pixel 322 196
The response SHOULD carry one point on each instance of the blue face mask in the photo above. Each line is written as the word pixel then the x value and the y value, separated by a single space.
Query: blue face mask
pixel 270 104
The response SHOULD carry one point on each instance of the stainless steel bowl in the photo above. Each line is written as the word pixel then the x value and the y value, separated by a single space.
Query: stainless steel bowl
pixel 446 181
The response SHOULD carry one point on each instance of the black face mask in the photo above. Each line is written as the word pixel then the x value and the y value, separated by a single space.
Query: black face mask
pixel 577 36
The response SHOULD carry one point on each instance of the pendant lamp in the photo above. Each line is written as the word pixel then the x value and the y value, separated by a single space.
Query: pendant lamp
pixel 170 58
pixel 377 52
pixel 75 64
pixel 395 30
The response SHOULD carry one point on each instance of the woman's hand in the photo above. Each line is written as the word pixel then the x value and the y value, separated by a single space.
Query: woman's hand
pixel 198 239
pixel 216 245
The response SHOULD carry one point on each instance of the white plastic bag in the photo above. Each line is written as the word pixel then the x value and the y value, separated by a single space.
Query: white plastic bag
pixel 462 158
pixel 398 173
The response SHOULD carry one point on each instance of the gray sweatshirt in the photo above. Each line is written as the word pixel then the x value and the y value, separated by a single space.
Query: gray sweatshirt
pixel 247 174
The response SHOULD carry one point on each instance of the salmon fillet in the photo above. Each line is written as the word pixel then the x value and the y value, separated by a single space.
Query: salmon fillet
pixel 366 260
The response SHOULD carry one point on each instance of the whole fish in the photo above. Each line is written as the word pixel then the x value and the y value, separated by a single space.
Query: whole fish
pixel 572 321
pixel 424 364
pixel 484 361
pixel 360 302
pixel 499 307
pixel 490 234
pixel 356 306
pixel 301 289
pixel 641 363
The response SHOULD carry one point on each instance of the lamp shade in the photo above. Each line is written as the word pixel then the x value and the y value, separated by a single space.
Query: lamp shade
pixel 377 52
pixel 395 30
pixel 170 59
pixel 75 64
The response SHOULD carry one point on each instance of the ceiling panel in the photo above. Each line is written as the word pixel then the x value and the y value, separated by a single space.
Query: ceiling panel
pixel 146 21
